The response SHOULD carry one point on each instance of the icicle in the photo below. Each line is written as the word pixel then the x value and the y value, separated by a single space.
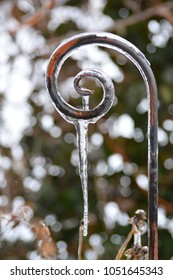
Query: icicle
pixel 82 135
pixel 81 119
pixel 82 138
pixel 82 128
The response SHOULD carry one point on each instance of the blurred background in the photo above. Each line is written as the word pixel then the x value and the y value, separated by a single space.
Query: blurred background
pixel 41 201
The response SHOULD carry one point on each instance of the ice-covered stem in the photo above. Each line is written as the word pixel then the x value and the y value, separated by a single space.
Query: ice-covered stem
pixel 80 240
pixel 137 221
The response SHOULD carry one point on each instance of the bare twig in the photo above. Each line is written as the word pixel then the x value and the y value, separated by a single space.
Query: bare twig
pixel 123 247
pixel 80 240
pixel 46 246
pixel 134 6
pixel 137 222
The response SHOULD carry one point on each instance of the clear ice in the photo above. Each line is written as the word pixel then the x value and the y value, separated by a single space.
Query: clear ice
pixel 82 126
pixel 82 132
pixel 82 138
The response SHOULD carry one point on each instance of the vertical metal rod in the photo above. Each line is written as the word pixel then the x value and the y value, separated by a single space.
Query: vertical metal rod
pixel 72 114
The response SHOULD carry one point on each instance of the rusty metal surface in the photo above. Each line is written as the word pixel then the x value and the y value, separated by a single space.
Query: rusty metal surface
pixel 131 52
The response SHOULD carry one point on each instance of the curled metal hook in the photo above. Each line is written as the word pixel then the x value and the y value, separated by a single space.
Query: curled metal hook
pixel 78 78
pixel 71 113
pixel 130 51
pixel 108 93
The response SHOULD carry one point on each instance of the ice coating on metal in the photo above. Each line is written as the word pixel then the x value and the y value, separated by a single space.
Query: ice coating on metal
pixel 82 126
pixel 82 131
pixel 72 114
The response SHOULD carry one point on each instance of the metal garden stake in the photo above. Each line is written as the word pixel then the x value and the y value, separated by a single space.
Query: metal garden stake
pixel 82 117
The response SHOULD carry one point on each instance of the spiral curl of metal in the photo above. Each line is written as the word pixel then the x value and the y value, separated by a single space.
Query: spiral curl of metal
pixel 69 112
pixel 108 93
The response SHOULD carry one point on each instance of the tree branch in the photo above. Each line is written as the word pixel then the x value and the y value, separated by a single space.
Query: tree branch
pixel 162 10
pixel 37 17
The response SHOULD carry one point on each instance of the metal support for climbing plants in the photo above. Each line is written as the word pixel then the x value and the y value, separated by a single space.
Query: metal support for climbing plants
pixel 82 117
